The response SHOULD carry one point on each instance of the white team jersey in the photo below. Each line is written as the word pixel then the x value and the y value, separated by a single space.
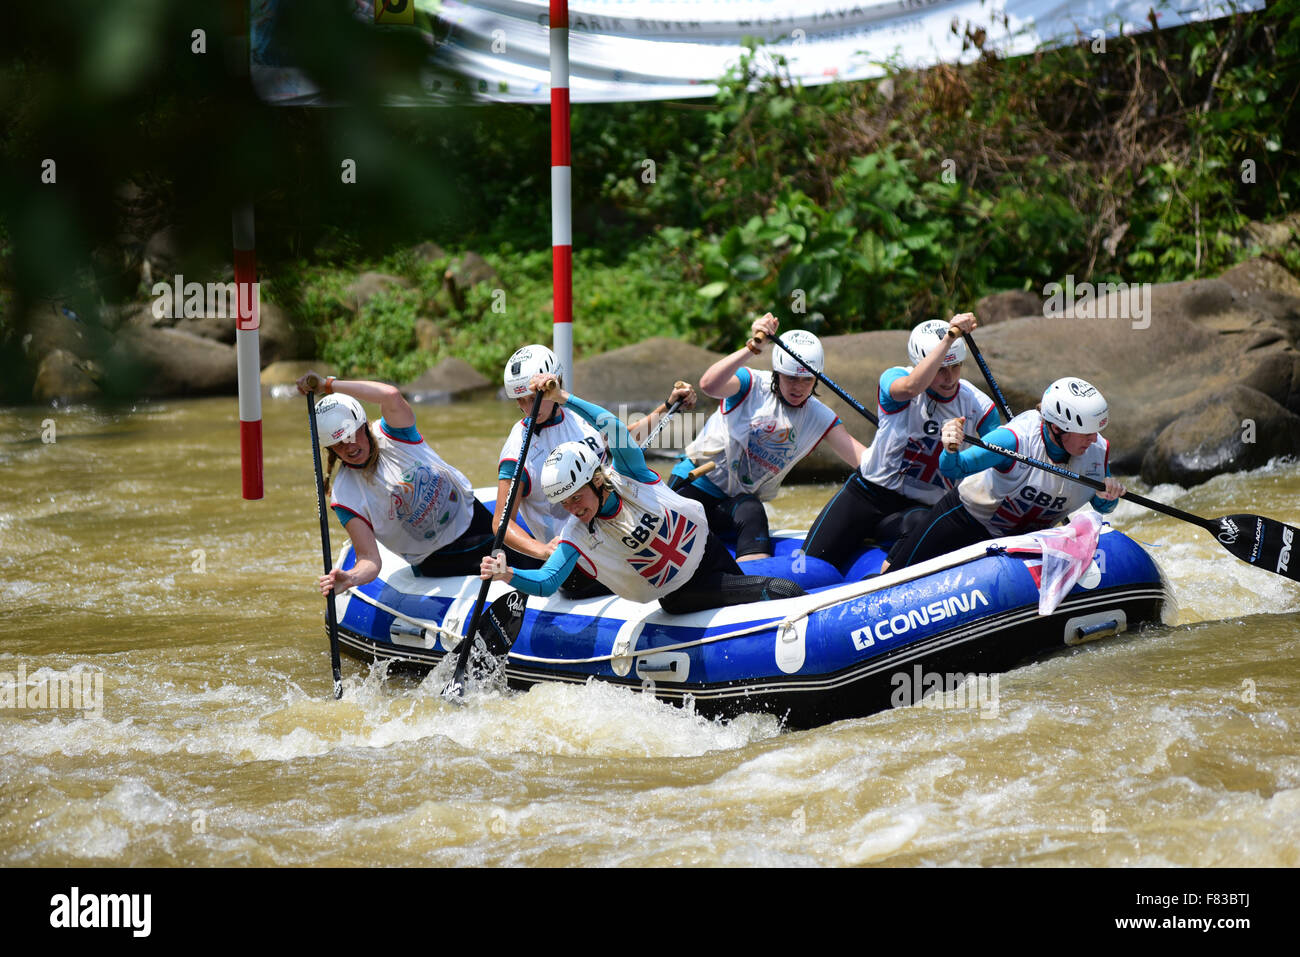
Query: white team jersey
pixel 904 456
pixel 1027 499
pixel 647 549
pixel 415 502
pixel 760 440
pixel 543 519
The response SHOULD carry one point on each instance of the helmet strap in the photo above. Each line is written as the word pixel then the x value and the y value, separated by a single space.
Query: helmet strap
pixel 601 492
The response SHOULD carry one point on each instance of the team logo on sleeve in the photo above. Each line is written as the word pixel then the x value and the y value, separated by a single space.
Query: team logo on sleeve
pixel 666 551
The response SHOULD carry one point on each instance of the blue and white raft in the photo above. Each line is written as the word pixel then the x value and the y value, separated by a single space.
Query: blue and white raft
pixel 843 651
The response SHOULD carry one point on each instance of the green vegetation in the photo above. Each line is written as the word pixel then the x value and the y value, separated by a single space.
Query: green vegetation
pixel 872 205
pixel 840 208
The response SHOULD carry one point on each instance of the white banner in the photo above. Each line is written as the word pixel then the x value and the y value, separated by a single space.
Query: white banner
pixel 671 49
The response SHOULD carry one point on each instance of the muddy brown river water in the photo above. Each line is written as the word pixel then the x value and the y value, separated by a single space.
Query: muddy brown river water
pixel 129 560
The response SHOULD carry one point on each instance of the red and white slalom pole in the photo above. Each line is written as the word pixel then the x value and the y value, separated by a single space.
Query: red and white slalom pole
pixel 561 182
pixel 248 352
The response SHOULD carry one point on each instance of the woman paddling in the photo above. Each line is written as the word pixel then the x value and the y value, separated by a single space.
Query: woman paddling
pixel 394 488
pixel 998 496
pixel 900 474
pixel 553 428
pixel 767 422
pixel 628 530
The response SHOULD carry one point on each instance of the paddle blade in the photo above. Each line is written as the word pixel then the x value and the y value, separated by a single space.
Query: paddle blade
pixel 1262 542
pixel 500 626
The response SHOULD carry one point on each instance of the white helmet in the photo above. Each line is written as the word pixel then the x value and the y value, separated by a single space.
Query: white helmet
pixel 923 338
pixel 526 363
pixel 337 418
pixel 807 346
pixel 1073 405
pixel 570 466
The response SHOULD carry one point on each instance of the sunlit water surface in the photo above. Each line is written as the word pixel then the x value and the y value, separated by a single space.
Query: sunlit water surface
pixel 127 552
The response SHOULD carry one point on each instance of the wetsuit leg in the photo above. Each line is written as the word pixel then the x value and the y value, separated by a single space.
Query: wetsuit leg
pixel 947 527
pixel 852 516
pixel 462 556
pixel 749 518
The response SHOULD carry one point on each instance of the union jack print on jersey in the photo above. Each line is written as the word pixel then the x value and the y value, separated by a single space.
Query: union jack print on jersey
pixel 921 461
pixel 665 553
pixel 1017 515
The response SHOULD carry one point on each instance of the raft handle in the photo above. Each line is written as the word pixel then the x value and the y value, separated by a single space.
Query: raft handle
pixel 410 635
pixel 1101 629
pixel 656 669
pixel 663 666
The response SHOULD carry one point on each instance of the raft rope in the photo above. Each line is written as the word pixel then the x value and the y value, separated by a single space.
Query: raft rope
pixel 814 603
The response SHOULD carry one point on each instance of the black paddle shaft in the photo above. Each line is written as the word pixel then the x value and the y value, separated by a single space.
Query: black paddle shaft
pixel 822 378
pixel 668 414
pixel 1262 542
pixel 456 687
pixel 331 609
pixel 1003 407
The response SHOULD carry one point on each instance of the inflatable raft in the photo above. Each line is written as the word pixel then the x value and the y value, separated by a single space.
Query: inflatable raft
pixel 851 647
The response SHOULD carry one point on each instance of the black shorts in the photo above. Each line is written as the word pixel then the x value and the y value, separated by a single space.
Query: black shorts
pixel 740 515
pixel 718 582
pixel 855 513
pixel 947 527
pixel 463 556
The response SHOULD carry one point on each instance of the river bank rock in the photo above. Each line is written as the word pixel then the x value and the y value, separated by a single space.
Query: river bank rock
pixel 450 379
pixel 1241 428
pixel 288 372
pixel 62 378
pixel 1001 306
pixel 1157 355
pixel 168 362
pixel 52 327
pixel 370 284
pixel 636 378
pixel 1161 354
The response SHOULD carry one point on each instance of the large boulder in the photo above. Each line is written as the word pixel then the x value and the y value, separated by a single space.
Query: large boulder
pixel 370 284
pixel 277 336
pixel 289 371
pixel 1177 345
pixel 449 379
pixel 63 378
pixel 1001 306
pixel 428 252
pixel 50 326
pixel 464 274
pixel 1241 428
pixel 640 376
pixel 168 362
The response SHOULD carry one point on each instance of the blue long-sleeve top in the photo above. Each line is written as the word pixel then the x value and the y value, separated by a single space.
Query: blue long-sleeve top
pixel 956 466
pixel 627 459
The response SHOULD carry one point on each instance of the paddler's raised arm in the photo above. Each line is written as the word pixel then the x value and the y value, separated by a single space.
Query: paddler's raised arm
pixel 627 456
pixel 720 380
